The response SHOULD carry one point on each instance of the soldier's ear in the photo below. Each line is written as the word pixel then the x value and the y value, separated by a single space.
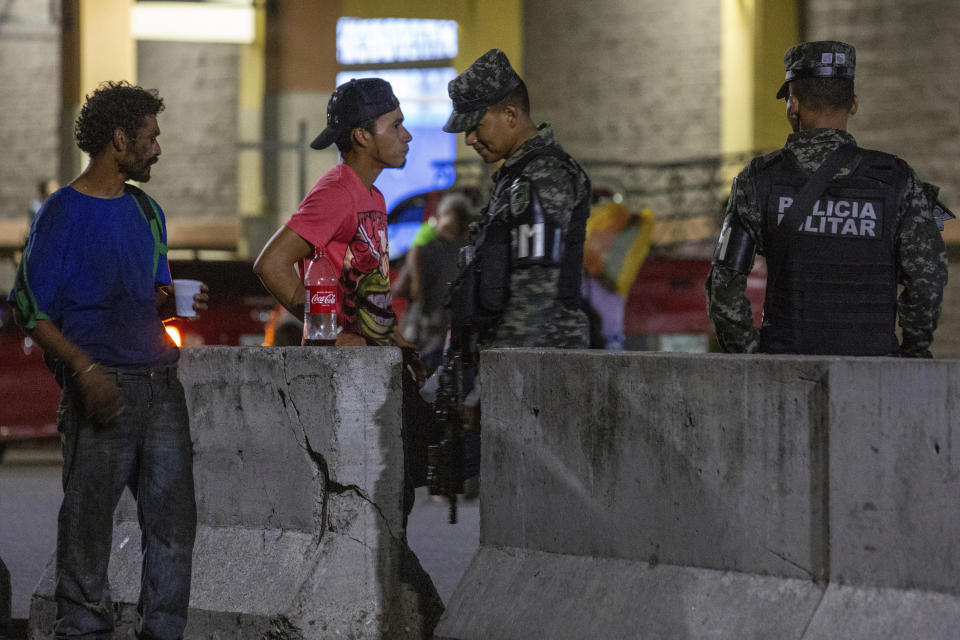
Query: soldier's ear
pixel 856 104
pixel 511 113
pixel 793 108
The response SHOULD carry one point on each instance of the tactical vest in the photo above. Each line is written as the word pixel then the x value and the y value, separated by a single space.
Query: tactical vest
pixel 536 240
pixel 833 287
pixel 521 240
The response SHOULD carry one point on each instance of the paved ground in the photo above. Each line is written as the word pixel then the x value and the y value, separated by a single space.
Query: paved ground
pixel 30 495
pixel 445 550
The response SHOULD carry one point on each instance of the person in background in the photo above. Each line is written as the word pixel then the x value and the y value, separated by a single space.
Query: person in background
pixel 92 290
pixel 410 321
pixel 437 269
pixel 841 228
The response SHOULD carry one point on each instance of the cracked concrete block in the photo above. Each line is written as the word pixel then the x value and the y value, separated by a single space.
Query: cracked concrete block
pixel 298 465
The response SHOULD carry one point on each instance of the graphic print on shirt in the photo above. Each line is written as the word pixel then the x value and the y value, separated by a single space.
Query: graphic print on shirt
pixel 365 277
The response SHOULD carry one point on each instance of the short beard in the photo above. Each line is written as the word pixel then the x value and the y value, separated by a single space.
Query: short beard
pixel 139 174
pixel 140 177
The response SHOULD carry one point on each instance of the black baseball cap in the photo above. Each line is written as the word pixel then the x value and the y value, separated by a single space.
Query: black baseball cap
pixel 352 104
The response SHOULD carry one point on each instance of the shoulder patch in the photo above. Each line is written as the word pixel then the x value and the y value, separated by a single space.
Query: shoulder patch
pixel 519 196
pixel 941 214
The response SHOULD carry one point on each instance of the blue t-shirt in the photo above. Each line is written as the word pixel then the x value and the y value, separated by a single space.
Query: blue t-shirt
pixel 89 269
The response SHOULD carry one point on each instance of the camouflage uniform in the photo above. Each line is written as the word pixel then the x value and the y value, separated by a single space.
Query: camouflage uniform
pixel 922 258
pixel 533 318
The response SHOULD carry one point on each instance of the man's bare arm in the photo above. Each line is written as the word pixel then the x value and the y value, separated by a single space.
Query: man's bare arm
pixel 102 399
pixel 414 260
pixel 276 268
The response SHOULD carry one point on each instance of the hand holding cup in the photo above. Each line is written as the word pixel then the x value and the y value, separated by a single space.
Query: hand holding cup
pixel 191 297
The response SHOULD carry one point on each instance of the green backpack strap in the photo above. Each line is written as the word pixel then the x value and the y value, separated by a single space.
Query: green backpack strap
pixel 23 301
pixel 148 209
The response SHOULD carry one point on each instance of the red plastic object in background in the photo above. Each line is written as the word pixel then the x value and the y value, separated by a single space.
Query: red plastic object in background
pixel 28 393
pixel 668 296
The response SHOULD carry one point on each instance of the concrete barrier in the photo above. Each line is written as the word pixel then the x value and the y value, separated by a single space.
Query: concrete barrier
pixel 638 495
pixel 298 463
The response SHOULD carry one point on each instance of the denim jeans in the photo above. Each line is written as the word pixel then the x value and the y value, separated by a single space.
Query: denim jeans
pixel 148 449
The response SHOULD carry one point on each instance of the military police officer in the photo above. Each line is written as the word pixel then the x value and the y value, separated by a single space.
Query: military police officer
pixel 528 243
pixel 840 226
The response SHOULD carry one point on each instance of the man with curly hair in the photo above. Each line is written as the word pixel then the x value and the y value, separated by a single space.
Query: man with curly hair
pixel 92 290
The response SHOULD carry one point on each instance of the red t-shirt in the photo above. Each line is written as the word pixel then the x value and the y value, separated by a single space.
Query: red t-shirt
pixel 349 223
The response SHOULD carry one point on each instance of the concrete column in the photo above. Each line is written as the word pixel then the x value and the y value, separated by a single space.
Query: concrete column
pixel 756 33
pixel 777 29
pixel 250 197
pixel 301 71
pixel 97 45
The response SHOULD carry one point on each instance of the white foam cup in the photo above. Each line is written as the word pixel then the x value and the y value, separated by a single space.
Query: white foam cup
pixel 185 290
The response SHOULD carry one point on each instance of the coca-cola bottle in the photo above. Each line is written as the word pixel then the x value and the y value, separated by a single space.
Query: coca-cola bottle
pixel 320 314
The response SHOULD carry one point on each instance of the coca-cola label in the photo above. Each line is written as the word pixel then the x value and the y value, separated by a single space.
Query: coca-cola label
pixel 322 299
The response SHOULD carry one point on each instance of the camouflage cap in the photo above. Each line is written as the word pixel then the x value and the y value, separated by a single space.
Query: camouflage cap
pixel 485 83
pixel 352 104
pixel 821 59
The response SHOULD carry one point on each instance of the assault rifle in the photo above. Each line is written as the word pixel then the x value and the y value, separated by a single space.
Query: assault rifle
pixel 445 458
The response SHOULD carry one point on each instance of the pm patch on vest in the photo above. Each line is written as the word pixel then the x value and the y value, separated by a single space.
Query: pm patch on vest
pixel 853 216
pixel 534 239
